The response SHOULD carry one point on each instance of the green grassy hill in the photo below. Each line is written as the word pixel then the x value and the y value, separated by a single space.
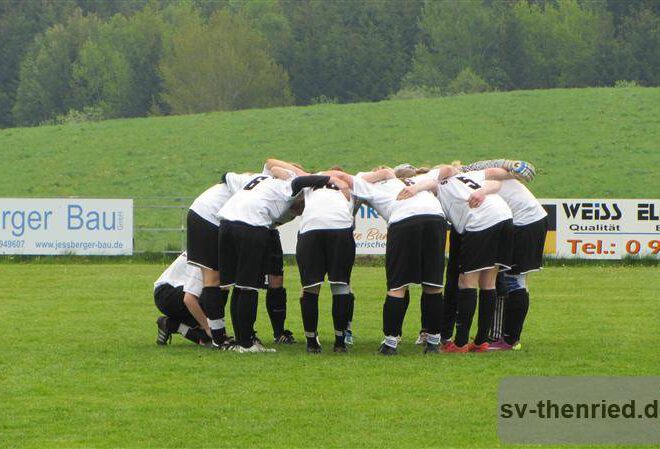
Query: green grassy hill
pixel 586 143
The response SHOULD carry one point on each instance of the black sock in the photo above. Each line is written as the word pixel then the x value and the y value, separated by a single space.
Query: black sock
pixel 247 315
pixel 233 311
pixel 449 305
pixel 340 304
pixel 309 306
pixel 394 311
pixel 406 302
pixel 351 305
pixel 276 307
pixel 197 335
pixel 487 299
pixel 432 312
pixel 171 325
pixel 515 312
pixel 213 300
pixel 466 304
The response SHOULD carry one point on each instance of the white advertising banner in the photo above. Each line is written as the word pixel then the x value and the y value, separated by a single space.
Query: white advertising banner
pixel 45 226
pixel 608 229
pixel 578 228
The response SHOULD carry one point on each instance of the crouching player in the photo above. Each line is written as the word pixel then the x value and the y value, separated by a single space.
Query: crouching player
pixel 529 231
pixel 175 293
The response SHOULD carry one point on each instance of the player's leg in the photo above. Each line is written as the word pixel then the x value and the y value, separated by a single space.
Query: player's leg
pixel 276 293
pixel 487 300
pixel 227 262
pixel 252 245
pixel 451 287
pixel 340 257
pixel 402 268
pixel 349 337
pixel 529 241
pixel 495 331
pixel 202 251
pixel 434 235
pixel 311 265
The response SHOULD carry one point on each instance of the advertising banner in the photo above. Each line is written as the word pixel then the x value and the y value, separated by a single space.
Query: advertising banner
pixel 43 226
pixel 608 229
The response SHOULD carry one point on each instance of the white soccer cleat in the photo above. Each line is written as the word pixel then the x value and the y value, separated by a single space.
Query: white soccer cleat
pixel 254 349
pixel 421 338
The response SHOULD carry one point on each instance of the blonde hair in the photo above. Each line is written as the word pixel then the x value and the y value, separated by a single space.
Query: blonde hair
pixel 456 163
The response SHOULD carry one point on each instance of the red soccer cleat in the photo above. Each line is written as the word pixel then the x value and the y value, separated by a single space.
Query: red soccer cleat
pixel 452 348
pixel 483 347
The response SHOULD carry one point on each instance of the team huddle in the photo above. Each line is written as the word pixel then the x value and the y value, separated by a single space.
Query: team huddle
pixel 496 226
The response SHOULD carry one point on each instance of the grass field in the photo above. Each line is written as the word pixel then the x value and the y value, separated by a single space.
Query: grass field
pixel 79 367
pixel 586 143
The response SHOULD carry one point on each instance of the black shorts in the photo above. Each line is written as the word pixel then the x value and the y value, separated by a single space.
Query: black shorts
pixel 169 301
pixel 415 252
pixel 487 248
pixel 528 244
pixel 322 251
pixel 243 254
pixel 275 261
pixel 202 242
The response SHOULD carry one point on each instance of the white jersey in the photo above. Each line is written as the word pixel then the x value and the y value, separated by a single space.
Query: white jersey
pixel 454 193
pixel 261 202
pixel 382 197
pixel 180 273
pixel 210 201
pixel 326 208
pixel 524 206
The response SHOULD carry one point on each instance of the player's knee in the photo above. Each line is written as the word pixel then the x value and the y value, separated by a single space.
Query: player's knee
pixel 314 289
pixel 398 293
pixel 210 278
pixel 340 289
pixel 515 282
pixel 431 290
pixel 275 281
pixel 468 280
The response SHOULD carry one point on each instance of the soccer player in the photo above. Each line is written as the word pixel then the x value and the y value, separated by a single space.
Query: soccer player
pixel 414 251
pixel 244 239
pixel 326 246
pixel 529 231
pixel 175 294
pixel 484 223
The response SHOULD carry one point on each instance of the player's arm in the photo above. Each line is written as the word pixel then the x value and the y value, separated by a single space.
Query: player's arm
pixel 379 175
pixel 282 173
pixel 425 185
pixel 477 197
pixel 520 169
pixel 301 182
pixel 497 174
pixel 192 303
pixel 273 163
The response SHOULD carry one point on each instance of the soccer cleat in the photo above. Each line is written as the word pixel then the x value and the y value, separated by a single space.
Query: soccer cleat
pixel 444 343
pixel 387 350
pixel 164 335
pixel 340 348
pixel 285 338
pixel 502 345
pixel 348 337
pixel 313 345
pixel 256 342
pixel 431 348
pixel 483 347
pixel 451 348
pixel 421 338
pixel 254 349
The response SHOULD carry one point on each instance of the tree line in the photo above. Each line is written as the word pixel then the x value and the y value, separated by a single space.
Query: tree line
pixel 92 59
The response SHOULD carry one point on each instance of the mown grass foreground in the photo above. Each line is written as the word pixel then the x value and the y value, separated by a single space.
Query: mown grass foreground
pixel 79 366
